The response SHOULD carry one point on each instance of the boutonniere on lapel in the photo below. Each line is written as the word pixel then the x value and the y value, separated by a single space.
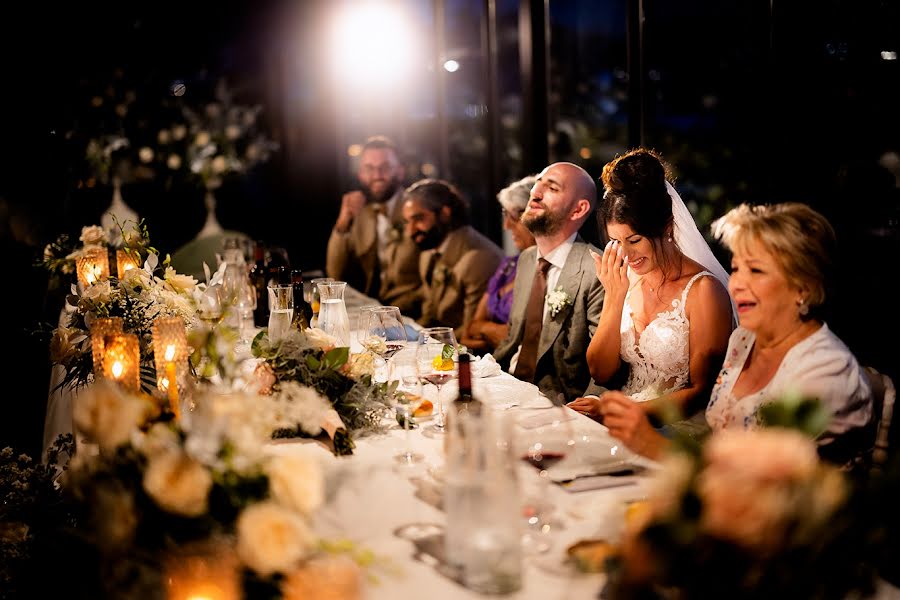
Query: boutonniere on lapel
pixel 396 233
pixel 557 300
pixel 441 274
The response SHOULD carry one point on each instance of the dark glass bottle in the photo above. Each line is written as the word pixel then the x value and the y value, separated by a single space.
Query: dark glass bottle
pixel 301 315
pixel 259 279
pixel 465 401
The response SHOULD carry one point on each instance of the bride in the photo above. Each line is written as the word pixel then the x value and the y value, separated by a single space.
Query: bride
pixel 667 314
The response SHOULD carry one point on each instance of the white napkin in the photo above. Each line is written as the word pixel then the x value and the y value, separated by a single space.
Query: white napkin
pixel 485 366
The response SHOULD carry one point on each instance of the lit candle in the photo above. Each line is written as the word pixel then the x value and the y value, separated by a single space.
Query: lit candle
pixel 122 360
pixel 93 266
pixel 170 354
pixel 125 261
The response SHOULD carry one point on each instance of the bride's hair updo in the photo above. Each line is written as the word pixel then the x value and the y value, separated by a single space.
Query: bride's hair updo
pixel 635 194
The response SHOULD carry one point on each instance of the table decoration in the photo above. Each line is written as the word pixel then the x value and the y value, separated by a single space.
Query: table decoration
pixel 121 360
pixel 313 358
pixel 125 261
pixel 170 352
pixel 750 514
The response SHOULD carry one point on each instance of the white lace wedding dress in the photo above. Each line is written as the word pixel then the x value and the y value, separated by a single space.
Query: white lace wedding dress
pixel 659 358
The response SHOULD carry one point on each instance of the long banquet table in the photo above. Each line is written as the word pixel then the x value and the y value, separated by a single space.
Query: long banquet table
pixel 397 515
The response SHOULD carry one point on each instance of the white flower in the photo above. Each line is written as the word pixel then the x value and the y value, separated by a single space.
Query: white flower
pixel 272 539
pixel 93 235
pixel 107 415
pixel 98 293
pixel 298 405
pixel 360 364
pixel 178 282
pixel 63 344
pixel 178 483
pixel 296 482
pixel 557 300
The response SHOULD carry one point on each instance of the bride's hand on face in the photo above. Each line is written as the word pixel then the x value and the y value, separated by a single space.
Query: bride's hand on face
pixel 612 270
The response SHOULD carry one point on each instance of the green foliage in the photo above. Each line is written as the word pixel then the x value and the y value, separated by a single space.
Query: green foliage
pixel 796 412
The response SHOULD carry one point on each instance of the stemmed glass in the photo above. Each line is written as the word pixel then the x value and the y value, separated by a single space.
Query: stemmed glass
pixel 544 439
pixel 436 359
pixel 210 305
pixel 384 333
pixel 406 369
pixel 245 304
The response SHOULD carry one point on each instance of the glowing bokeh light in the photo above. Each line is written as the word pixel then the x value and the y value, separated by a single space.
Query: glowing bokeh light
pixel 373 46
pixel 451 66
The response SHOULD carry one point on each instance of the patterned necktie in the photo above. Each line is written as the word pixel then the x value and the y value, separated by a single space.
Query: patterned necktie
pixel 534 317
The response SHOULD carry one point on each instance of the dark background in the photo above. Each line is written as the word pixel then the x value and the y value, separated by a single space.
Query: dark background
pixel 751 101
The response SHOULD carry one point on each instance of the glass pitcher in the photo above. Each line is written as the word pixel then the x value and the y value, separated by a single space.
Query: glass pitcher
pixel 333 318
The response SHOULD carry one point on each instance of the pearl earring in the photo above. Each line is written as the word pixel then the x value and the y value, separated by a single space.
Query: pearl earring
pixel 669 239
pixel 803 308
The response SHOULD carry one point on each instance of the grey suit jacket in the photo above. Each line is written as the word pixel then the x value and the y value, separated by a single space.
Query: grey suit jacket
pixel 353 257
pixel 561 364
pixel 459 279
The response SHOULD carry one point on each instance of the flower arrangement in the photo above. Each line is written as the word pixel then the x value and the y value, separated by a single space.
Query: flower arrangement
pixel 139 297
pixel 154 496
pixel 557 300
pixel 207 143
pixel 750 514
pixel 312 358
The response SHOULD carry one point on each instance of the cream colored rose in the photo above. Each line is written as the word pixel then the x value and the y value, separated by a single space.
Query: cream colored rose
pixel 178 483
pixel 272 539
pixel 159 438
pixel 766 454
pixel 296 482
pixel 360 364
pixel 264 377
pixel 334 577
pixel 97 293
pixel 106 414
pixel 179 282
pixel 93 235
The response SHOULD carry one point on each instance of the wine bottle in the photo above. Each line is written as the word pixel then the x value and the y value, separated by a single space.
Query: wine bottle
pixel 301 318
pixel 465 401
pixel 259 281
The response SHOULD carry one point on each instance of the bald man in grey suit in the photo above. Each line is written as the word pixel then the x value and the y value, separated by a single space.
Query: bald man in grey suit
pixel 562 199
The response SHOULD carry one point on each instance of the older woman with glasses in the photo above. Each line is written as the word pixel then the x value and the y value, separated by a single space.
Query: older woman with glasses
pixel 489 325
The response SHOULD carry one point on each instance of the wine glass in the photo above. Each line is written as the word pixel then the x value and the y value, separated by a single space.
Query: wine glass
pixel 545 440
pixel 405 369
pixel 384 333
pixel 436 358
pixel 362 323
pixel 210 305
pixel 245 304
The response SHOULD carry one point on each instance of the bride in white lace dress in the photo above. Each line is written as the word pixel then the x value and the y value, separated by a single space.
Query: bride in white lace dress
pixel 667 314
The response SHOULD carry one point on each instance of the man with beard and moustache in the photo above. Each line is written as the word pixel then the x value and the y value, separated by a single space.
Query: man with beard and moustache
pixel 367 248
pixel 456 261
pixel 556 309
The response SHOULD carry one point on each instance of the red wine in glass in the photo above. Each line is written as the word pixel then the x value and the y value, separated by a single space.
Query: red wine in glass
pixel 437 379
pixel 543 460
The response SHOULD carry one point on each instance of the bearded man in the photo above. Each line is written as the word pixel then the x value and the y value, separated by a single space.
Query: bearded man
pixel 367 248
pixel 456 261
pixel 556 296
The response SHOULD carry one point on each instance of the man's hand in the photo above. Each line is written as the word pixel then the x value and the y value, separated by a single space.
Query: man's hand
pixel 351 204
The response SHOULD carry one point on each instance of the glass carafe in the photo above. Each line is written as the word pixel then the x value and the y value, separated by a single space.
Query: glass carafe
pixel 333 318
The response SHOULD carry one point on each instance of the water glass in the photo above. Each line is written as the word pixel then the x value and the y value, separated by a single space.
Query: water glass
pixel 314 298
pixel 281 310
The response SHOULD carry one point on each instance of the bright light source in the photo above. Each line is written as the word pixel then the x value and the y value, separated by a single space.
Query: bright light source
pixel 585 152
pixel 373 46
pixel 354 150
pixel 888 55
pixel 451 66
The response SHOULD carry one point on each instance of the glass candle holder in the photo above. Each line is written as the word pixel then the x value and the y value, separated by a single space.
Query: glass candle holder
pixel 170 351
pixel 122 360
pixel 125 261
pixel 101 328
pixel 92 266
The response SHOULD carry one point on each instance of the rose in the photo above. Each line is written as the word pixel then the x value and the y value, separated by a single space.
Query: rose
pixel 272 538
pixel 327 577
pixel 264 377
pixel 93 235
pixel 296 482
pixel 359 365
pixel 178 483
pixel 97 293
pixel 178 282
pixel 105 414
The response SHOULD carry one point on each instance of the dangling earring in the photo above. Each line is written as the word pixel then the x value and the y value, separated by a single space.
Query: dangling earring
pixel 803 308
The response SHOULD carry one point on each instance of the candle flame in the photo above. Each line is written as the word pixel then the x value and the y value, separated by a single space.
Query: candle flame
pixel 170 352
pixel 117 368
pixel 164 382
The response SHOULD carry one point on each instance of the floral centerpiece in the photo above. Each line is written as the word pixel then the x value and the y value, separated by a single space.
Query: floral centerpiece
pixel 750 514
pixel 312 358
pixel 140 296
